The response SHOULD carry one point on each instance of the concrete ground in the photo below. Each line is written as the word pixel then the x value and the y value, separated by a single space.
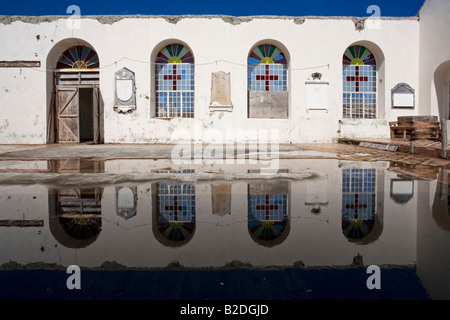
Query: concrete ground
pixel 13 158
pixel 349 150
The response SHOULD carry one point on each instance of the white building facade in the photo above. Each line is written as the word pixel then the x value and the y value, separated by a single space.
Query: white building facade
pixel 166 79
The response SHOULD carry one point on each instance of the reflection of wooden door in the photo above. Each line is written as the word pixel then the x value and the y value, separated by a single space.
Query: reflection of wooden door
pixel 67 118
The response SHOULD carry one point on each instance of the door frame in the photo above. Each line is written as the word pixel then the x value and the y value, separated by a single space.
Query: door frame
pixel 80 83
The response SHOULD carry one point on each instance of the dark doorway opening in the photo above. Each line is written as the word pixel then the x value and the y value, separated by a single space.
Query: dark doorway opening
pixel 86 115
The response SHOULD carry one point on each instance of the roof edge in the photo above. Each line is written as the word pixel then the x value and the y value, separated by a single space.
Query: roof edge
pixel 110 19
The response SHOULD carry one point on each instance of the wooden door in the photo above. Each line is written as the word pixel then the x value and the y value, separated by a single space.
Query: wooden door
pixel 67 117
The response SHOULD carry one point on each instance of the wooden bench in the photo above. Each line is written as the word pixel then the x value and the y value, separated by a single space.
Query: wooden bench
pixel 397 130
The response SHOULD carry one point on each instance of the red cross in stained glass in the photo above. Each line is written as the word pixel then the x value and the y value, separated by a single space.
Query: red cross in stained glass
pixel 267 77
pixel 175 208
pixel 174 77
pixel 357 79
pixel 356 206
pixel 267 207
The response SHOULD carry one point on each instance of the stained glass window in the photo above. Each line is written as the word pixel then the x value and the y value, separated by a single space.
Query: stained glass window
pixel 176 209
pixel 267 215
pixel 358 202
pixel 174 82
pixel 267 69
pixel 360 86
pixel 78 57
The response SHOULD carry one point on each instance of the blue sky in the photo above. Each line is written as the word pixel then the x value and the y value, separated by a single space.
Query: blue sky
pixel 226 7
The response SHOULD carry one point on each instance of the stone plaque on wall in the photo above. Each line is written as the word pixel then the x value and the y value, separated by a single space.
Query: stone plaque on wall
pixel 268 104
pixel 316 95
pixel 403 96
pixel 220 92
pixel 125 100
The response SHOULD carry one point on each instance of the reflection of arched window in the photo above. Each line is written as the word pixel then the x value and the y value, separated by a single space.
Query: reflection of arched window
pixel 75 216
pixel 268 213
pixel 267 82
pixel 360 83
pixel 358 203
pixel 78 57
pixel 175 82
pixel 174 206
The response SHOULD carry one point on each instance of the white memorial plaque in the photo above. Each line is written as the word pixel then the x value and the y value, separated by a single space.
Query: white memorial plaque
pixel 124 89
pixel 316 95
pixel 403 96
pixel 402 187
pixel 125 100
pixel 403 100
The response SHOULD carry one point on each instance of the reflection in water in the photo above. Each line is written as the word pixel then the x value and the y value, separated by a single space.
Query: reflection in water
pixel 75 216
pixel 221 198
pixel 175 211
pixel 358 203
pixel 402 189
pixel 441 204
pixel 263 222
pixel 268 212
pixel 126 202
pixel 76 166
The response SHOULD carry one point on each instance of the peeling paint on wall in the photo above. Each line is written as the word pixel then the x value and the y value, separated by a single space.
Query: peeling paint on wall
pixel 4 124
pixel 379 123
pixel 351 122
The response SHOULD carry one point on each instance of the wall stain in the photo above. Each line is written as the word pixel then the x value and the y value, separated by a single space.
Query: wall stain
pixel 4 124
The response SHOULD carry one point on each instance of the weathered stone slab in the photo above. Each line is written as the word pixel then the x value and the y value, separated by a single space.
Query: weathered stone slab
pixel 268 104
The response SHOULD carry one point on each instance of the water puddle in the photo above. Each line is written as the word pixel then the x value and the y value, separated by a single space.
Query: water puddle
pixel 151 215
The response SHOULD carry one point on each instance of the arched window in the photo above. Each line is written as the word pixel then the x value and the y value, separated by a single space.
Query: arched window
pixel 360 85
pixel 174 82
pixel 78 57
pixel 267 82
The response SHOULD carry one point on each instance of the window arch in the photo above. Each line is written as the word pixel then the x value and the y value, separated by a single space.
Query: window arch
pixel 360 83
pixel 267 69
pixel 267 82
pixel 174 82
pixel 78 57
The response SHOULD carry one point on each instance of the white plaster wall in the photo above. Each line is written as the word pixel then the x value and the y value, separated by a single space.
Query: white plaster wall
pixel 434 51
pixel 22 90
pixel 317 45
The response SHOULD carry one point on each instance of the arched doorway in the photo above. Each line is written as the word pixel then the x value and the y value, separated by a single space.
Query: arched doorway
pixel 442 87
pixel 74 115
